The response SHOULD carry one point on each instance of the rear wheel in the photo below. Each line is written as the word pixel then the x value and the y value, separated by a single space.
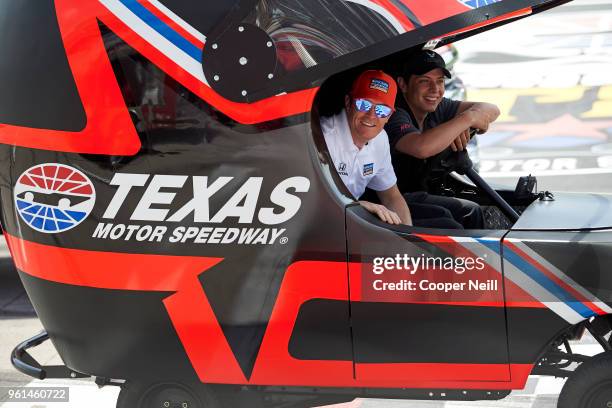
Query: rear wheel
pixel 165 395
pixel 590 386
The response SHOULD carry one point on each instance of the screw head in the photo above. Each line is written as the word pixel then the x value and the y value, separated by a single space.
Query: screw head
pixel 216 77
pixel 185 405
pixel 215 46
pixel 270 76
pixel 241 28
pixel 269 44
pixel 244 93
pixel 243 61
pixel 166 404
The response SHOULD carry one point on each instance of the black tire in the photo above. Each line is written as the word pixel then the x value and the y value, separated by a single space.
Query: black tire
pixel 166 394
pixel 590 386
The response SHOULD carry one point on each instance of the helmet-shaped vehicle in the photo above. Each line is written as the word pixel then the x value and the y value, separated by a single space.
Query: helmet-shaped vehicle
pixel 181 230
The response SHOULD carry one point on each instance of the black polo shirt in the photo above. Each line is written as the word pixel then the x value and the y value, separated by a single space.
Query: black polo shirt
pixel 413 173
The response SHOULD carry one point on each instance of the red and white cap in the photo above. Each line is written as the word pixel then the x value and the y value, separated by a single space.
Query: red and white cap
pixel 375 86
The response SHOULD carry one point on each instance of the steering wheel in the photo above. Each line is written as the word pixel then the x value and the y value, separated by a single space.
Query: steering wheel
pixel 448 160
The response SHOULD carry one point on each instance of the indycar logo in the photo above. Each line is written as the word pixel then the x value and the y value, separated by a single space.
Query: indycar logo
pixel 477 3
pixel 53 197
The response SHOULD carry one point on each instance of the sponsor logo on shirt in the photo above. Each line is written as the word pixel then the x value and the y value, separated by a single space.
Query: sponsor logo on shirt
pixel 380 85
pixel 368 169
pixel 406 126
pixel 342 169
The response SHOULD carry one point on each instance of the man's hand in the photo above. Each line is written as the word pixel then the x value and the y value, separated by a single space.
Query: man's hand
pixel 385 214
pixel 480 115
pixel 478 119
pixel 461 142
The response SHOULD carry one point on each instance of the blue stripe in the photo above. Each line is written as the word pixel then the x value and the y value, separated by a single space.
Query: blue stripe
pixel 162 28
pixel 493 245
pixel 547 283
pixel 539 277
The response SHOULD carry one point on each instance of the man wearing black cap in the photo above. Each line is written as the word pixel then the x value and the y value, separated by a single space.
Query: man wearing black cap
pixel 424 124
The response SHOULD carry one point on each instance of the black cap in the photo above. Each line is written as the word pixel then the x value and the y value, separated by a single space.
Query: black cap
pixel 423 61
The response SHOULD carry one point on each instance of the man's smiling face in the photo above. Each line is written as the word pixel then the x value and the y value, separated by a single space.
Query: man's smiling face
pixel 424 92
pixel 364 126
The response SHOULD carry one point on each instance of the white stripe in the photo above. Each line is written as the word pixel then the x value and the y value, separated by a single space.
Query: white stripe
pixel 540 293
pixel 559 274
pixel 483 251
pixel 515 240
pixel 157 40
pixel 383 12
pixel 522 280
pixel 184 25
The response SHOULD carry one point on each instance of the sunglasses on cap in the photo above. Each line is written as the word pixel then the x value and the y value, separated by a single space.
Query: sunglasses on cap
pixel 381 111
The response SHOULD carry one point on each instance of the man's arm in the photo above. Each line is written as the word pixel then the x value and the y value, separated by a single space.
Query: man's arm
pixel 491 110
pixel 393 210
pixel 432 141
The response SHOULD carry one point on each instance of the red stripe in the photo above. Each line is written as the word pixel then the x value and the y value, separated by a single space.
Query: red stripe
pixel 91 268
pixel 441 375
pixel 421 373
pixel 434 239
pixel 515 296
pixel 167 20
pixel 401 17
pixel 427 13
pixel 554 278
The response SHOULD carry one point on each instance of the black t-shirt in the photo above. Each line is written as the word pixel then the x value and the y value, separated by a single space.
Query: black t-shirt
pixel 412 173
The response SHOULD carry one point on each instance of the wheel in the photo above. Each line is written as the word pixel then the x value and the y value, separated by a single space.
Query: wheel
pixel 165 395
pixel 590 386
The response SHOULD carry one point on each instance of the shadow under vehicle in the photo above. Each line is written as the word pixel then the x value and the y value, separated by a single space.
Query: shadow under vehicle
pixel 225 264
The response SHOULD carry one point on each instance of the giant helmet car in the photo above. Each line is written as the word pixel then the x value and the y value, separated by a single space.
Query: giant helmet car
pixel 178 225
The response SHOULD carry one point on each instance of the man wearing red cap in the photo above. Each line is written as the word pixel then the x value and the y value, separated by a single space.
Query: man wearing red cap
pixel 425 124
pixel 359 146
